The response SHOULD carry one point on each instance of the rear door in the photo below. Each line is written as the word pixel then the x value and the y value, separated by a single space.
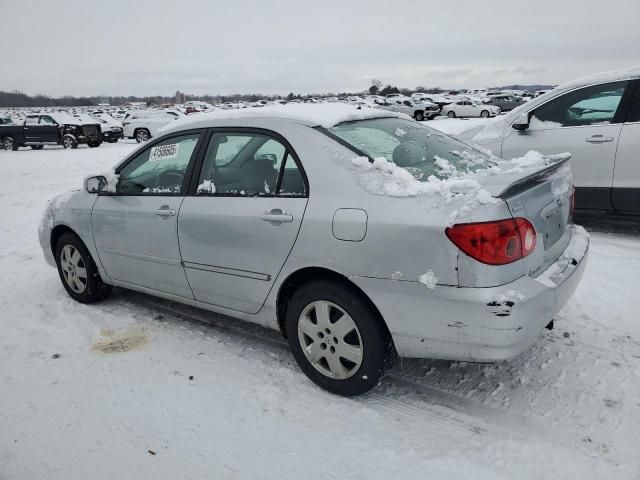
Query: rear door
pixel 587 123
pixel 136 228
pixel 241 220
pixel 626 178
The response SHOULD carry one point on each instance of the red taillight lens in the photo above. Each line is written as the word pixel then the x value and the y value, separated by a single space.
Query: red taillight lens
pixel 495 243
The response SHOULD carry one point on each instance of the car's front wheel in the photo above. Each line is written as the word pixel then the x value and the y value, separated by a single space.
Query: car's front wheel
pixel 484 113
pixel 451 114
pixel 78 271
pixel 69 142
pixel 419 116
pixel 337 338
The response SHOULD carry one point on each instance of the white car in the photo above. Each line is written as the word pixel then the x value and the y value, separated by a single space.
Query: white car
pixel 469 108
pixel 597 120
pixel 144 124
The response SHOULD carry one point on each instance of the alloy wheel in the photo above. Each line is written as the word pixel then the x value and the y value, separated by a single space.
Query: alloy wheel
pixel 74 269
pixel 330 340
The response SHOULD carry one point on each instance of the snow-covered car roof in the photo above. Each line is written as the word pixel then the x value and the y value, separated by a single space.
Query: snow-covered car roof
pixel 312 114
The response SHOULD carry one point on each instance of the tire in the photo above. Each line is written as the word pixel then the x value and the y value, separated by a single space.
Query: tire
pixel 419 116
pixel 69 142
pixel 451 114
pixel 93 144
pixel 37 147
pixel 362 337
pixel 142 135
pixel 484 113
pixel 10 144
pixel 87 289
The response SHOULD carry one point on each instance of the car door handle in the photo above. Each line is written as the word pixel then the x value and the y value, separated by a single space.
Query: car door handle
pixel 598 139
pixel 165 211
pixel 276 216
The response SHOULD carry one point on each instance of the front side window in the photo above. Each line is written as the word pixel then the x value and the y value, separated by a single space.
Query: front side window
pixel 421 150
pixel 47 121
pixel 595 105
pixel 249 164
pixel 159 169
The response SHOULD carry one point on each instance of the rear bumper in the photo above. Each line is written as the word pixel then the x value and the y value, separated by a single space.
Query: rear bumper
pixel 477 324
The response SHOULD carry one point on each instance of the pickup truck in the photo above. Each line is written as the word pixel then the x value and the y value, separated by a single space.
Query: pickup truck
pixel 420 111
pixel 39 130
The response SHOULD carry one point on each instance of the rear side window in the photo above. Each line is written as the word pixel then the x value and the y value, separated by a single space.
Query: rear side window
pixel 31 121
pixel 249 164
pixel 595 105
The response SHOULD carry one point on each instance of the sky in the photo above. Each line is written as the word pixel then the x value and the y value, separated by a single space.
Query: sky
pixel 117 47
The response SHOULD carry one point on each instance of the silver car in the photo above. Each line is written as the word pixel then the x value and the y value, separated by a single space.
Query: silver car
pixel 359 234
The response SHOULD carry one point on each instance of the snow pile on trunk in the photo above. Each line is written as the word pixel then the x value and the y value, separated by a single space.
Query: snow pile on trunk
pixel 383 177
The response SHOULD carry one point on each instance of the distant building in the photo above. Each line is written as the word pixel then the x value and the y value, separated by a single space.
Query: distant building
pixel 180 97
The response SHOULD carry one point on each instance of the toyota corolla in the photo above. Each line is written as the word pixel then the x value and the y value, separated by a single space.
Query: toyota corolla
pixel 360 234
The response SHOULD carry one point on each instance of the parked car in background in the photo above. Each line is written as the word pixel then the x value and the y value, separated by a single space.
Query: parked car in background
pixel 53 128
pixel 505 102
pixel 416 110
pixel 111 128
pixel 469 108
pixel 250 217
pixel 144 124
pixel 597 120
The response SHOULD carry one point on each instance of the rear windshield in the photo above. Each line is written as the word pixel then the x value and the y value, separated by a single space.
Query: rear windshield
pixel 421 150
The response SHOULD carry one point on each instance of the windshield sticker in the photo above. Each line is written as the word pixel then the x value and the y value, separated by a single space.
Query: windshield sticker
pixel 164 152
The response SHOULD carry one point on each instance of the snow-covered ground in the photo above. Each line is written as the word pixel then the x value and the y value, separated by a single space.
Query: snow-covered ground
pixel 135 387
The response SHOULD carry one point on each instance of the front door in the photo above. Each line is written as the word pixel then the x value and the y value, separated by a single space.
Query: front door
pixel 240 225
pixel 136 228
pixel 586 123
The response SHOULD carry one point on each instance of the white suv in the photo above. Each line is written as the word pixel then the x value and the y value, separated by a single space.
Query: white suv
pixel 144 124
pixel 597 120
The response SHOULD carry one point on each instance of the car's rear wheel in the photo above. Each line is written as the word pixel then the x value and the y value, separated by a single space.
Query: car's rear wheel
pixel 337 338
pixel 484 113
pixel 69 142
pixel 451 114
pixel 78 271
pixel 142 135
pixel 419 116
pixel 10 144
pixel 93 144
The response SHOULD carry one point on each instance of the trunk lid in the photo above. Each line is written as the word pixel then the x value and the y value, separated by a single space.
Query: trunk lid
pixel 544 197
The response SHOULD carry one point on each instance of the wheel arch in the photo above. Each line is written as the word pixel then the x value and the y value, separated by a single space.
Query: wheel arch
pixel 57 232
pixel 307 274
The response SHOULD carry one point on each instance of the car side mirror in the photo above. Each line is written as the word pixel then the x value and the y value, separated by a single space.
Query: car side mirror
pixel 522 122
pixel 95 184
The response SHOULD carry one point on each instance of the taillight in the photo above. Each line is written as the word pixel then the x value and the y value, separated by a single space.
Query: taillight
pixel 573 200
pixel 495 243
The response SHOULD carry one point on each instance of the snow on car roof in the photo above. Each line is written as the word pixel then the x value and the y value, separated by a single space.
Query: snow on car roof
pixel 325 115
pixel 611 76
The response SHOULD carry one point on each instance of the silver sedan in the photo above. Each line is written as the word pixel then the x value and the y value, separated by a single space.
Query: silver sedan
pixel 359 234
